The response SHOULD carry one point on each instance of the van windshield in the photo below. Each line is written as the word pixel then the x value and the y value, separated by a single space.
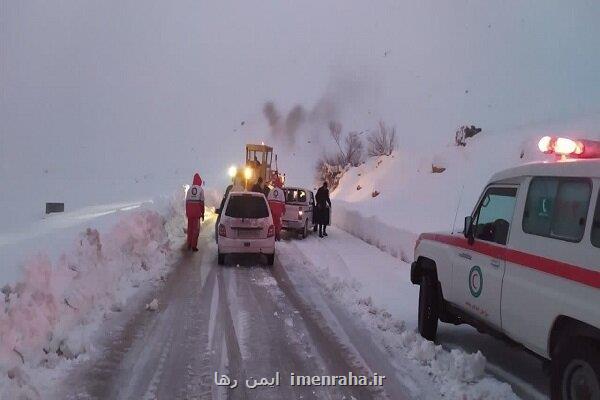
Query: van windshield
pixel 247 206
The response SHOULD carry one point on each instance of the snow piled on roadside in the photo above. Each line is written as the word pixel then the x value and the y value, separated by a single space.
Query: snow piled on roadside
pixel 459 375
pixel 411 199
pixel 391 239
pixel 49 318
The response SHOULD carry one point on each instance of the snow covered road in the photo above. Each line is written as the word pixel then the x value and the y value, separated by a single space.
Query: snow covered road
pixel 298 318
pixel 245 321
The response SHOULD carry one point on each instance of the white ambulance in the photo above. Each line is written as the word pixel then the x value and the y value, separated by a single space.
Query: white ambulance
pixel 527 265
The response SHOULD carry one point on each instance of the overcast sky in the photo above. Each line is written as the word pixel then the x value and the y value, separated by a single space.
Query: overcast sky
pixel 128 87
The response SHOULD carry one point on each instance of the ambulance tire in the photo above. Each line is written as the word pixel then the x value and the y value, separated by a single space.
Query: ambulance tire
pixel 428 308
pixel 575 370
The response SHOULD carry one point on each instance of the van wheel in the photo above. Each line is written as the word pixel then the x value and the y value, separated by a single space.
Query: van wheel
pixel 576 370
pixel 304 233
pixel 428 308
pixel 270 259
pixel 221 258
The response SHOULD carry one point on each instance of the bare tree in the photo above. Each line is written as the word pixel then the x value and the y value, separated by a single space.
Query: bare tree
pixel 330 169
pixel 382 142
pixel 335 129
pixel 354 149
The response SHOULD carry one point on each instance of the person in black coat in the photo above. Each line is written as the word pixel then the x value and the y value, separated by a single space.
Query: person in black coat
pixel 323 207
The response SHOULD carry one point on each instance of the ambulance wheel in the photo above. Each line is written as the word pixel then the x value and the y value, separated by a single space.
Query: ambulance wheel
pixel 270 259
pixel 576 370
pixel 304 232
pixel 221 258
pixel 428 308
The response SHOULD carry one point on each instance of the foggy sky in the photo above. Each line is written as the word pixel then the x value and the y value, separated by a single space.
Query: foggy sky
pixel 126 88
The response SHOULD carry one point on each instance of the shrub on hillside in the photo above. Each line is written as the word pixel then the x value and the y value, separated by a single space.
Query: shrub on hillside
pixel 381 142
pixel 330 170
pixel 331 167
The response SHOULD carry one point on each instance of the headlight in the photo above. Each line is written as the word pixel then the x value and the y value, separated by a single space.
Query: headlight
pixel 248 173
pixel 232 171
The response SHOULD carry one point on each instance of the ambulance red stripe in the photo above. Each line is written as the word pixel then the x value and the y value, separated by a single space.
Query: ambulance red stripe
pixel 558 268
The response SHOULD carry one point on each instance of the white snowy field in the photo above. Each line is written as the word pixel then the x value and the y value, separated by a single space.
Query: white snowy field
pixel 63 274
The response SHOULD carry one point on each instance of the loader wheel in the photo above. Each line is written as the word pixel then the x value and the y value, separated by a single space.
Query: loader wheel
pixel 576 370
pixel 428 308
pixel 221 258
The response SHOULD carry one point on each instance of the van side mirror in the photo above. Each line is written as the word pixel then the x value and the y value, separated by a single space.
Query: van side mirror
pixel 468 228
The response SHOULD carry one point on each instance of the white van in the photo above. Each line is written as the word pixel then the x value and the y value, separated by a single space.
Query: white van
pixel 246 226
pixel 527 266
pixel 299 207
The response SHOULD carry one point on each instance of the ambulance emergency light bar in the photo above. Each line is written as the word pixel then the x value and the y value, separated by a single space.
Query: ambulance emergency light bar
pixel 569 148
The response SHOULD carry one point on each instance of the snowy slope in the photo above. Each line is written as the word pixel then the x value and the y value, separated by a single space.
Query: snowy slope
pixel 412 199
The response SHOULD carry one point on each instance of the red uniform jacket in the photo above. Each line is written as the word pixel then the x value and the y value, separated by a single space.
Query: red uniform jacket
pixel 194 200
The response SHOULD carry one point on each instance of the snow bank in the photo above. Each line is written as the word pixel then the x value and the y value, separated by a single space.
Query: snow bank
pixel 393 240
pixel 50 316
pixel 456 374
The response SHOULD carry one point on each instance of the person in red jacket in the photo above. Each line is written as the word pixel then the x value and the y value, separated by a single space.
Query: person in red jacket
pixel 276 200
pixel 194 210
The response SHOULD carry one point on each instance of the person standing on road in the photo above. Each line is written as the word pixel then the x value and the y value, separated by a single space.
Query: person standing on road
pixel 323 209
pixel 276 200
pixel 194 210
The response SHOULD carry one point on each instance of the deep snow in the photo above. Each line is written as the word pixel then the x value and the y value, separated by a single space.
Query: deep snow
pixel 52 312
pixel 413 200
pixel 375 287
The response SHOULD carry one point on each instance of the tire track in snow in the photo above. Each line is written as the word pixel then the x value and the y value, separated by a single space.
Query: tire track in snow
pixel 234 355
pixel 340 358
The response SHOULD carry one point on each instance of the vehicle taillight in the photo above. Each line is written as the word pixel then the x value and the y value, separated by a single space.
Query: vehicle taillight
pixel 271 231
pixel 222 230
pixel 300 213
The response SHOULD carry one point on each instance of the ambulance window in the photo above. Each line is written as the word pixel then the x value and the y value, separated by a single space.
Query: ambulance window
pixel 557 208
pixel 492 221
pixel 596 225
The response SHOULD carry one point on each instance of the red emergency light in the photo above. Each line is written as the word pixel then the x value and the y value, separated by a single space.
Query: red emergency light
pixel 569 148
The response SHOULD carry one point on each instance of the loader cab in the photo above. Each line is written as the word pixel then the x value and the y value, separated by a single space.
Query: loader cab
pixel 259 158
